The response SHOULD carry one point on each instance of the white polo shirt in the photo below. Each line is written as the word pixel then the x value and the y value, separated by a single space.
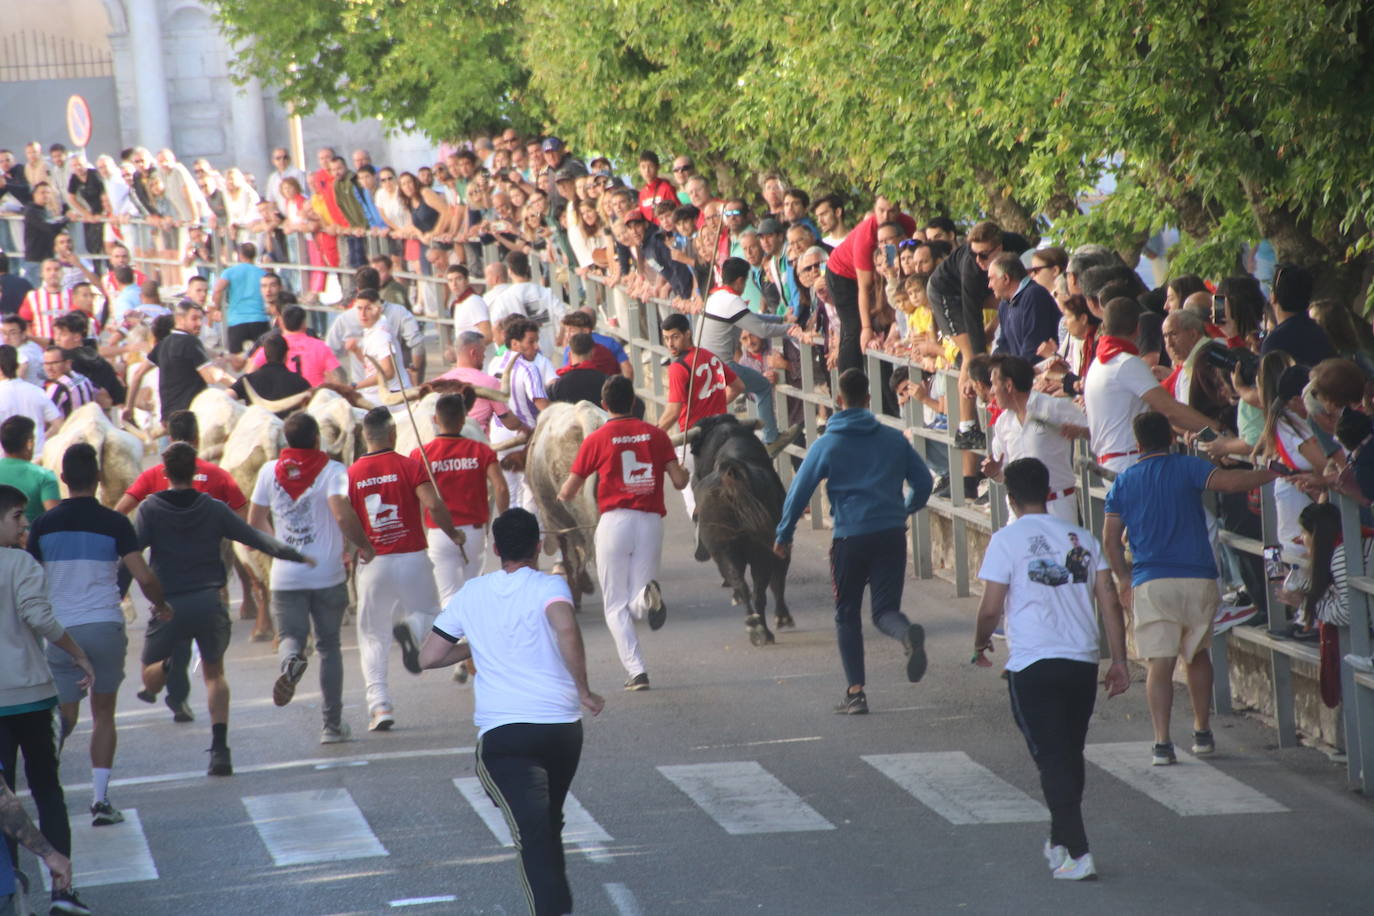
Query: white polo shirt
pixel 1113 394
pixel 1039 437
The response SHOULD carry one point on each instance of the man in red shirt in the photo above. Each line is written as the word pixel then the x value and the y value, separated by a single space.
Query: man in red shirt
pixel 396 594
pixel 629 458
pixel 469 476
pixel 212 480
pixel 853 282
pixel 656 190
pixel 700 385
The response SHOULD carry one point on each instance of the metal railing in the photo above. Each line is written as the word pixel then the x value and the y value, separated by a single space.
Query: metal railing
pixel 636 323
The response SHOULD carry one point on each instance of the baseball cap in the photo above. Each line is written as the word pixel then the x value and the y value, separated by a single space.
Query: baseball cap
pixel 770 226
pixel 551 144
pixel 636 216
pixel 569 171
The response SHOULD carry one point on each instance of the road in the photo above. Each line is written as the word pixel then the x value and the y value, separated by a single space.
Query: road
pixel 729 788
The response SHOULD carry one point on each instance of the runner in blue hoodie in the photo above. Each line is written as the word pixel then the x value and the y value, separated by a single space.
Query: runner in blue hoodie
pixel 864 464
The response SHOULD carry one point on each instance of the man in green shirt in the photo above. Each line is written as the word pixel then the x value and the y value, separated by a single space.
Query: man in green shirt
pixel 18 470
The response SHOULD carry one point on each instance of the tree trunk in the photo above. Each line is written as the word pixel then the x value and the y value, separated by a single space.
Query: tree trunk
pixel 1007 211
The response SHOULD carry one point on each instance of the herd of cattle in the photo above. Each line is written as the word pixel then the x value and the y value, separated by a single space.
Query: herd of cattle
pixel 738 492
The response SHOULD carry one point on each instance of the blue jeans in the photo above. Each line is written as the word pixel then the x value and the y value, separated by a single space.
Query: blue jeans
pixel 762 389
pixel 876 561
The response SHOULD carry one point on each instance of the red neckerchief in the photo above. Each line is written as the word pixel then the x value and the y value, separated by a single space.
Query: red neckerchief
pixel 1089 345
pixel 717 289
pixel 297 469
pixel 1109 346
pixel 463 298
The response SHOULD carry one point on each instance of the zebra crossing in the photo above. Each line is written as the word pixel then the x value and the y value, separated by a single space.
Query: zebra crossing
pixel 742 798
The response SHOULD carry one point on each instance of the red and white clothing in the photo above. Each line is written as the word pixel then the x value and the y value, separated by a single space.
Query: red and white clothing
pixel 381 487
pixel 309 357
pixel 710 378
pixel 397 587
pixel 210 479
pixel 1113 394
pixel 42 307
pixel 628 456
pixel 460 468
pixel 1039 438
pixel 112 289
pixel 653 194
pixel 856 252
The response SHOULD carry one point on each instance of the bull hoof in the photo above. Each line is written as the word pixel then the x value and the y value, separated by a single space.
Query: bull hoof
pixel 784 621
pixel 702 554
pixel 584 582
pixel 759 634
pixel 734 601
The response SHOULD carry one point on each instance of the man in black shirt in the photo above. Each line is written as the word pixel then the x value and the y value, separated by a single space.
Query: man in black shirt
pixel 184 368
pixel 69 333
pixel 13 288
pixel 577 381
pixel 273 379
pixel 1296 333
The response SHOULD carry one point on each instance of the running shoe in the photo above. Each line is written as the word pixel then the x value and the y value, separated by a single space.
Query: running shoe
pixel 410 652
pixel 853 704
pixel 181 710
pixel 970 439
pixel 639 682
pixel 104 814
pixel 1229 615
pixel 336 734
pixel 1203 743
pixel 220 762
pixel 1055 855
pixel 147 696
pixel 382 720
pixel 1079 869
pixel 67 902
pixel 915 644
pixel 1162 755
pixel 658 611
pixel 292 669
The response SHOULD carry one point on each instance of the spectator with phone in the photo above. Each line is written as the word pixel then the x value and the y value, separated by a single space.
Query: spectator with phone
pixel 1288 443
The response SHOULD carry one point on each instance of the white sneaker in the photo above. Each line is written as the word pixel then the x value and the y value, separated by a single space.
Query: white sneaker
pixel 1079 869
pixel 382 720
pixel 1055 855
pixel 1227 616
pixel 336 734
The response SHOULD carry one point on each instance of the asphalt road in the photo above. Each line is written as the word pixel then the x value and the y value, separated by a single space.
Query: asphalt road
pixel 729 788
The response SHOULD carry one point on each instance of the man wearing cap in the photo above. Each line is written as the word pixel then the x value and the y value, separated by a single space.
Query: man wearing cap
pixel 654 257
pixel 725 316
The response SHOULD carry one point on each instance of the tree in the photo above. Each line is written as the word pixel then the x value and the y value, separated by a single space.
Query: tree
pixel 447 69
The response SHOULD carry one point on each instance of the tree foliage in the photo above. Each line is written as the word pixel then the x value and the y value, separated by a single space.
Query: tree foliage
pixel 1233 120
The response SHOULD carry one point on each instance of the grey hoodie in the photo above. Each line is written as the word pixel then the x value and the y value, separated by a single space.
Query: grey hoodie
pixel 184 529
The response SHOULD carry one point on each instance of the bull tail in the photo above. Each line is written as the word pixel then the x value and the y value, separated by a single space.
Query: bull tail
pixel 738 490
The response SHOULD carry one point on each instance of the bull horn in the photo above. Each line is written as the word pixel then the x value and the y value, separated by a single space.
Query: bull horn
pixel 776 447
pixel 512 443
pixel 490 394
pixel 755 423
pixel 679 437
pixel 390 397
pixel 280 405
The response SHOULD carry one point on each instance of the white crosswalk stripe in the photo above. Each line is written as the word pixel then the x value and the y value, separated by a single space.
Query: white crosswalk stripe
pixel 745 798
pixel 300 828
pixel 116 854
pixel 579 828
pixel 958 789
pixel 1190 787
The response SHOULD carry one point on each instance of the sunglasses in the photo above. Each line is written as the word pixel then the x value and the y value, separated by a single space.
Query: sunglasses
pixel 805 267
pixel 909 243
pixel 682 168
pixel 1037 268
pixel 734 212
pixel 981 256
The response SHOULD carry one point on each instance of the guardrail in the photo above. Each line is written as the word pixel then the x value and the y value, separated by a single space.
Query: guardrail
pixel 636 322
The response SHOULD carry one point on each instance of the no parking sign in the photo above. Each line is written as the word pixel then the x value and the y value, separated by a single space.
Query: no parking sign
pixel 78 121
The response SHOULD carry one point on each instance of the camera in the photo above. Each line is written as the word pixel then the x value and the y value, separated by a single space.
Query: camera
pixel 1229 359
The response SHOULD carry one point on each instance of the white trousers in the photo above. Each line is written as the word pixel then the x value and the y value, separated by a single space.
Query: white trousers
pixel 450 572
pixel 393 588
pixel 689 498
pixel 628 544
pixel 520 495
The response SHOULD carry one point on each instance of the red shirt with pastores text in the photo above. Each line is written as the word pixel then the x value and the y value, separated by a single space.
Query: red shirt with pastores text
pixel 381 487
pixel 628 456
pixel 460 467
pixel 210 479
pixel 710 378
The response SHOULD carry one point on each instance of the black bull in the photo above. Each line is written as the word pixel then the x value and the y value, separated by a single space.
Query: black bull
pixel 739 502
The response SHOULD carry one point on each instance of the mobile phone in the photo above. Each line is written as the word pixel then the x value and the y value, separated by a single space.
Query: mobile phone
pixel 1278 467
pixel 1273 563
pixel 1218 310
pixel 891 251
pixel 1206 434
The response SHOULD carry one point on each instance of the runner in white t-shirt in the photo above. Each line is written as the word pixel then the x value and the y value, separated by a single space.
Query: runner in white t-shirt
pixel 1120 386
pixel 1043 573
pixel 530 691
pixel 468 310
pixel 302 498
pixel 377 343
